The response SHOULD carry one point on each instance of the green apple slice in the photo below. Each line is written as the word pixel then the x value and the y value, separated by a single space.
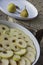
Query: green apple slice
pixel 21 52
pixel 1 47
pixel 21 43
pixel 31 56
pixel 30 49
pixel 12 40
pixel 16 57
pixel 4 38
pixel 13 32
pixel 22 62
pixel 8 32
pixel 28 62
pixel 6 54
pixel 29 42
pixel 6 46
pixel 12 62
pixel 16 30
pixel 4 62
pixel 14 47
pixel 3 28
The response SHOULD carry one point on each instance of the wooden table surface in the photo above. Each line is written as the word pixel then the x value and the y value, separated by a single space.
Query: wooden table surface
pixel 36 23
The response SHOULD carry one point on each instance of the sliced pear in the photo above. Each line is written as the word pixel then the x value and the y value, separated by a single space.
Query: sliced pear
pixel 8 32
pixel 22 62
pixel 6 46
pixel 12 40
pixel 30 56
pixel 29 42
pixel 1 47
pixel 6 54
pixel 3 28
pixel 14 47
pixel 20 32
pixel 30 49
pixel 28 62
pixel 21 43
pixel 4 62
pixel 12 62
pixel 21 52
pixel 13 32
pixel 19 36
pixel 16 57
pixel 0 34
pixel 5 41
pixel 5 38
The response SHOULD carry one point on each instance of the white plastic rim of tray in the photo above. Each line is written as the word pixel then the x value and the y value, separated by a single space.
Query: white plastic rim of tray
pixel 32 11
pixel 15 25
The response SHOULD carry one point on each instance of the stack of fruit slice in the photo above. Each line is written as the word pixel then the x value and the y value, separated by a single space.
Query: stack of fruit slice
pixel 16 48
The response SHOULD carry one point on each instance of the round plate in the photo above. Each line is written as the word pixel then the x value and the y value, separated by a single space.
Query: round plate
pixel 27 32
pixel 32 11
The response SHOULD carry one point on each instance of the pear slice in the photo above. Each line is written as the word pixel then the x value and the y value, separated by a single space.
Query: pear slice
pixel 28 62
pixel 5 41
pixel 12 40
pixel 7 32
pixel 13 32
pixel 21 43
pixel 1 47
pixel 4 62
pixel 30 49
pixel 4 38
pixel 6 46
pixel 22 62
pixel 3 28
pixel 29 42
pixel 6 54
pixel 16 57
pixel 14 47
pixel 21 52
pixel 31 56
pixel 12 62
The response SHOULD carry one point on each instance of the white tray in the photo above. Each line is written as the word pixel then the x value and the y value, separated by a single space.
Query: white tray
pixel 32 11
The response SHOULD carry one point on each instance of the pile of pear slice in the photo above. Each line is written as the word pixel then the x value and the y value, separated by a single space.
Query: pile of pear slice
pixel 16 48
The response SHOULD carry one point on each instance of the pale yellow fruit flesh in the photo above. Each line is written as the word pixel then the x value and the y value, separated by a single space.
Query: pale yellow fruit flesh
pixel 6 54
pixel 21 52
pixel 16 57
